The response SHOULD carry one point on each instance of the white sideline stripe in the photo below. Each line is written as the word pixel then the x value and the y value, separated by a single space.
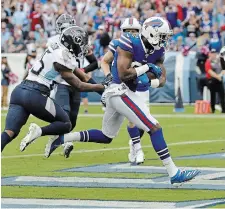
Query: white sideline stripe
pixel 83 180
pixel 127 166
pixel 119 148
pixel 86 203
pixel 155 115
pixel 112 181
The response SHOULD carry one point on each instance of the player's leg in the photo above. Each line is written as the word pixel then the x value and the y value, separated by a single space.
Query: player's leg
pixel 16 117
pixel 62 96
pixel 136 154
pixel 44 108
pixel 131 107
pixel 75 106
pixel 84 97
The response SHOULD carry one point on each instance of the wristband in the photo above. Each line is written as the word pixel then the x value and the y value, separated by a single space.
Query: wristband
pixel 141 70
pixel 155 83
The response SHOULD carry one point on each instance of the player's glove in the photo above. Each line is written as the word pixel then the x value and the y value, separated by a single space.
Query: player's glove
pixel 157 71
pixel 107 81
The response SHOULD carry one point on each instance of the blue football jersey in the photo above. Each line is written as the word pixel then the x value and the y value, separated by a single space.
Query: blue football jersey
pixel 134 45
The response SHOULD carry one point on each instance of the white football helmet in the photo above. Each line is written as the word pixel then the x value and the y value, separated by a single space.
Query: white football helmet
pixel 64 21
pixel 157 31
pixel 222 53
pixel 131 23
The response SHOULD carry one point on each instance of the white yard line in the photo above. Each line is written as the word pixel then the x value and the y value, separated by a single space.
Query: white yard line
pixel 155 115
pixel 117 149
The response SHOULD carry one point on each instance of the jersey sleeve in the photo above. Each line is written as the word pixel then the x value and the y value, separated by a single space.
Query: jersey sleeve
pixel 63 57
pixel 125 42
pixel 112 46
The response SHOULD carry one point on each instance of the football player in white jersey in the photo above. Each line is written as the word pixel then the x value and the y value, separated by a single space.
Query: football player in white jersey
pixel 65 95
pixel 32 95
pixel 122 102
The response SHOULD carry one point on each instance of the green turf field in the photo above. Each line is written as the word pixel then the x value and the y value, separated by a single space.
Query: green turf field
pixel 185 136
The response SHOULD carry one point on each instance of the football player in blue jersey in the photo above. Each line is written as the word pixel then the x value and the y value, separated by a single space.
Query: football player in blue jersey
pixel 131 25
pixel 122 102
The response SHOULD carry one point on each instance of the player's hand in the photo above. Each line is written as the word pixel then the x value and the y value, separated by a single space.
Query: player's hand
pixel 107 81
pixel 157 71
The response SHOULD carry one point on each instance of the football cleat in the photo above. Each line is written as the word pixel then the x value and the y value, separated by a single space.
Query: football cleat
pixel 68 147
pixel 139 157
pixel 183 176
pixel 53 143
pixel 33 133
pixel 131 155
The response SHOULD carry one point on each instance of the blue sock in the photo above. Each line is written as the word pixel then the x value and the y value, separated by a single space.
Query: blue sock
pixel 5 139
pixel 141 132
pixel 159 144
pixel 94 135
pixel 134 134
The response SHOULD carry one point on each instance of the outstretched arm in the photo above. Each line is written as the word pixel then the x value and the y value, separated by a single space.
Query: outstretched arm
pixel 74 81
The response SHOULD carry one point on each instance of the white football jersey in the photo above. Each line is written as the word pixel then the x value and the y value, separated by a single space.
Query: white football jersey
pixel 52 40
pixel 43 70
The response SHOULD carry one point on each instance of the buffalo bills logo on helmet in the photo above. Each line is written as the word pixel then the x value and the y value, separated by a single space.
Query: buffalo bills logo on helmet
pixel 156 23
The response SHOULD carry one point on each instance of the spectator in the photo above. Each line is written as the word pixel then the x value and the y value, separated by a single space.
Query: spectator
pixel 42 39
pixel 16 43
pixel 171 13
pixel 192 24
pixel 213 74
pixel 5 36
pixel 50 6
pixel 19 17
pixel 206 24
pixel 98 20
pixel 191 40
pixel 5 82
pixel 49 21
pixel 36 17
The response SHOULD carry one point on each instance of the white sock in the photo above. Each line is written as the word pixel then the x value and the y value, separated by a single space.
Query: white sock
pixel 72 137
pixel 170 166
pixel 137 146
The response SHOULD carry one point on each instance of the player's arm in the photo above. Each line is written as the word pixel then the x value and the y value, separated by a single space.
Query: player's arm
pixel 105 62
pixel 82 75
pixel 74 81
pixel 126 72
pixel 93 63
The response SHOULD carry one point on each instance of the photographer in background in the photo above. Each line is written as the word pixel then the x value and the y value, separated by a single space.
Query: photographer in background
pixel 5 82
pixel 222 62
pixel 214 76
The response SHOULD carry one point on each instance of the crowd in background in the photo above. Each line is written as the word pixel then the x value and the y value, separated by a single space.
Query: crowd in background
pixel 26 23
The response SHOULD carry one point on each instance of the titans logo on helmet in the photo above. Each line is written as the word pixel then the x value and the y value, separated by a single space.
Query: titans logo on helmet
pixel 156 23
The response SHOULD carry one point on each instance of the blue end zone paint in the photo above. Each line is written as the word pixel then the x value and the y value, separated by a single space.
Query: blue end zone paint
pixel 208 181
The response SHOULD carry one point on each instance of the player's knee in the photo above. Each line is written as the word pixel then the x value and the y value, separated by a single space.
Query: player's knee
pixel 68 127
pixel 155 128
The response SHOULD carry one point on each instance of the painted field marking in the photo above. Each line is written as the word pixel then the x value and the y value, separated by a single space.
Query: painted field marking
pixel 64 203
pixel 209 178
pixel 116 149
pixel 155 115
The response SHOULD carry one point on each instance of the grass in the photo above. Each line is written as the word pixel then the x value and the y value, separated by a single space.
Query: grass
pixel 176 130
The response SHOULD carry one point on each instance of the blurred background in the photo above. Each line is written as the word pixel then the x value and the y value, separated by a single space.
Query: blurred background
pixel 198 26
